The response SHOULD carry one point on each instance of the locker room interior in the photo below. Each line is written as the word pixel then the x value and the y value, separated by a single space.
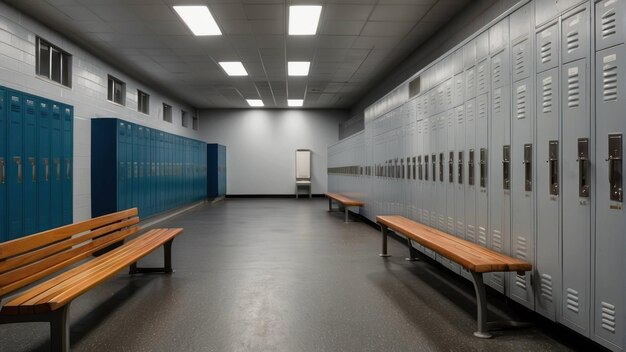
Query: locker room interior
pixel 499 122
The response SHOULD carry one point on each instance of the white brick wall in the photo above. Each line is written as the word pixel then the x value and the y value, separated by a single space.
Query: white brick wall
pixel 88 94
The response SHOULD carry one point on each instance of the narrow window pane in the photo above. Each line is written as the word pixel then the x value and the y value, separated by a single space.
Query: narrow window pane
pixel 66 70
pixel 56 66
pixel 110 92
pixel 118 92
pixel 44 59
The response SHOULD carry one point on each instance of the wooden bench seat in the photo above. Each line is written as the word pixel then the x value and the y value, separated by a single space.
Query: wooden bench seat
pixel 471 256
pixel 343 200
pixel 27 260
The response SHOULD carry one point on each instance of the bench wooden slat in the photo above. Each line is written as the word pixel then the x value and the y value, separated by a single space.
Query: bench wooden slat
pixel 469 255
pixel 29 243
pixel 344 200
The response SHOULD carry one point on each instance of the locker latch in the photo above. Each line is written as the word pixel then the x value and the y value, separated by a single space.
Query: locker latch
pixel 528 167
pixel 434 156
pixel 583 167
pixel 451 167
pixel 401 175
pixel 419 168
pixel 3 172
pixel 440 167
pixel 33 167
pixel 68 168
pixel 470 168
pixel 46 169
pixel 426 166
pixel 18 161
pixel 57 166
pixel 414 168
pixel 506 167
pixel 615 167
pixel 460 168
pixel 483 167
pixel 553 161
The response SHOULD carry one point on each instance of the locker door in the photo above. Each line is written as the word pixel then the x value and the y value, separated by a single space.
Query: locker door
pixel 547 48
pixel 610 217
pixel 459 195
pixel 470 83
pixel 521 59
pixel 153 171
pixel 449 179
pixel 442 144
pixel 44 164
pixel 522 185
pixel 575 38
pixel 500 69
pixel 29 165
pixel 482 76
pixel 15 169
pixel 68 152
pixel 482 167
pixel 470 161
pixel 609 23
pixel 56 187
pixel 3 166
pixel 547 265
pixel 136 147
pixel 499 197
pixel 576 191
pixel 122 166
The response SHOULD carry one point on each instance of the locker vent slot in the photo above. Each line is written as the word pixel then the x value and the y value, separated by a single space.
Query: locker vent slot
pixel 433 218
pixel 520 281
pixel 546 287
pixel 609 82
pixel 608 317
pixel 547 95
pixel 450 224
pixel 497 279
pixel 521 102
pixel 470 234
pixel 519 60
pixel 497 100
pixel 609 27
pixel 521 249
pixel 15 104
pixel 573 88
pixel 482 82
pixel 497 70
pixel 442 222
pixel 496 241
pixel 482 236
pixel 573 41
pixel 460 228
pixel 573 299
pixel 470 80
pixel 459 89
pixel 546 52
pixel 482 109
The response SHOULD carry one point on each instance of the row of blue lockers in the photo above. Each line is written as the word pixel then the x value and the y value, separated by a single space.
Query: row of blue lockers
pixel 216 177
pixel 36 136
pixel 137 166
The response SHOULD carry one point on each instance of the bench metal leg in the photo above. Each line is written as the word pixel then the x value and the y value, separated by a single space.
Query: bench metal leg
pixel 412 252
pixel 385 231
pixel 167 261
pixel 330 204
pixel 347 212
pixel 60 330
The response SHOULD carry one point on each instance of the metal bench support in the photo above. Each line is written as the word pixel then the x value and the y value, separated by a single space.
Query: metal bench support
pixel 59 325
pixel 385 232
pixel 346 210
pixel 167 259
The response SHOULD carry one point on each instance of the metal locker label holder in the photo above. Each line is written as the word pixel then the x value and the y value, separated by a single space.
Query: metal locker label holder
pixel 426 165
pixel 483 167
pixel 68 168
pixel 506 167
pixel 460 163
pixel 470 168
pixel 434 161
pixel 583 168
pixel 553 161
pixel 46 167
pixel 33 167
pixel 3 171
pixel 451 167
pixel 615 167
pixel 440 167
pixel 18 161
pixel 419 168
pixel 528 167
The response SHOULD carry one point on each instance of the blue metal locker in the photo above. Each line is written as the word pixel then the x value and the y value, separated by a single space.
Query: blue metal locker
pixel 3 166
pixel 43 164
pixel 56 190
pixel 15 200
pixel 68 152
pixel 216 174
pixel 29 165
pixel 137 130
pixel 108 167
pixel 123 169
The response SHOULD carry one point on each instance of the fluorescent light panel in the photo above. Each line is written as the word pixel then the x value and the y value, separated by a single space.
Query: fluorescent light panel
pixel 298 68
pixel 295 102
pixel 234 68
pixel 303 20
pixel 255 103
pixel 199 19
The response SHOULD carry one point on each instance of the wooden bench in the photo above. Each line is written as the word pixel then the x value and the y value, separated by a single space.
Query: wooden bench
pixel 476 259
pixel 343 200
pixel 29 259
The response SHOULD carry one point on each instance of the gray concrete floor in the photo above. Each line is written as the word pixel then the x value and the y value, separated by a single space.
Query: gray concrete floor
pixel 285 275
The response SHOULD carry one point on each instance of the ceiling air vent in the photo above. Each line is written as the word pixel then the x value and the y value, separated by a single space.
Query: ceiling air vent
pixel 414 87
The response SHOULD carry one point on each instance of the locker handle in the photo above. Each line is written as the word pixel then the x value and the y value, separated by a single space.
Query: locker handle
pixel 33 166
pixel 18 161
pixel 68 168
pixel 2 171
pixel 46 169
pixel 57 165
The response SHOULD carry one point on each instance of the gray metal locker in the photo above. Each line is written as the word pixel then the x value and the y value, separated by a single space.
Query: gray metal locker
pixel 500 73
pixel 609 23
pixel 499 36
pixel 459 89
pixel 459 171
pixel 575 38
pixel 482 76
pixel 441 147
pixel 522 196
pixel 547 48
pixel 545 10
pixel 547 264
pixel 470 179
pixel 482 45
pixel 482 167
pixel 449 179
pixel 470 83
pixel 610 241
pixel 576 193
pixel 520 57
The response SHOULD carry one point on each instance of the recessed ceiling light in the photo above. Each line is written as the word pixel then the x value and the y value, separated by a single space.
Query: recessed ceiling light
pixel 256 103
pixel 303 20
pixel 295 102
pixel 298 68
pixel 234 68
pixel 198 19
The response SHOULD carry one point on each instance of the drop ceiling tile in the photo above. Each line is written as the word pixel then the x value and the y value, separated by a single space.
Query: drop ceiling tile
pixel 270 41
pixel 411 13
pixel 381 29
pixel 341 27
pixel 154 12
pixel 113 12
pixel 268 27
pixel 265 12
pixel 336 41
pixel 369 42
pixel 239 27
pixel 224 12
pixel 167 28
pixel 78 13
pixel 343 12
pixel 300 54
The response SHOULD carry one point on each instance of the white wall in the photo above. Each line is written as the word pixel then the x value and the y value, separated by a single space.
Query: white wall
pixel 88 94
pixel 261 146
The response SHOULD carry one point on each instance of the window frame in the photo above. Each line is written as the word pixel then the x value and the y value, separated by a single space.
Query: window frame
pixel 184 118
pixel 167 113
pixel 195 122
pixel 111 92
pixel 65 63
pixel 140 107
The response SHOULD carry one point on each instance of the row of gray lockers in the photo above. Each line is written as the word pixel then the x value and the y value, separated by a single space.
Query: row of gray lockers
pixel 514 140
